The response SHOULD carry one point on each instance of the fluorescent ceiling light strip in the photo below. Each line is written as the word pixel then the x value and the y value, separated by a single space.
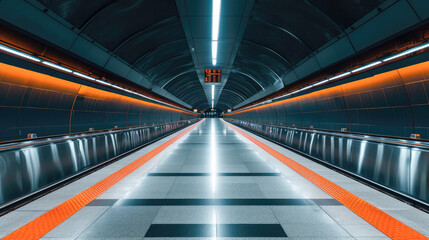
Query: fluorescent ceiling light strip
pixel 117 87
pixel 339 76
pixel 57 66
pixel 214 49
pixel 18 53
pixel 366 66
pixel 304 88
pixel 321 82
pixel 103 82
pixel 214 52
pixel 215 29
pixel 215 19
pixel 213 88
pixel 83 76
pixel 415 49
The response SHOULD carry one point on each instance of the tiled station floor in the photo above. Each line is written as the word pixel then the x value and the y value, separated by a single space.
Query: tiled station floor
pixel 213 183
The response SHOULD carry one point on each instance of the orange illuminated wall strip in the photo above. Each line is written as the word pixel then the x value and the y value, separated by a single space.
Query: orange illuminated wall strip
pixel 26 78
pixel 375 82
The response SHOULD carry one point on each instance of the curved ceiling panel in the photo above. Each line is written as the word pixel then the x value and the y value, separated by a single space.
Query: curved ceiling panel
pixel 264 55
pixel 298 18
pixel 223 106
pixel 238 88
pixel 257 71
pixel 230 99
pixel 282 42
pixel 235 95
pixel 180 80
pixel 183 86
pixel 169 65
pixel 162 53
pixel 249 85
pixel 345 12
pixel 271 75
pixel 142 42
pixel 170 69
pixel 243 82
pixel 76 12
pixel 122 19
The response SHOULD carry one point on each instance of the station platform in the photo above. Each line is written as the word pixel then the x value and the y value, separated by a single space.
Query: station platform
pixel 210 181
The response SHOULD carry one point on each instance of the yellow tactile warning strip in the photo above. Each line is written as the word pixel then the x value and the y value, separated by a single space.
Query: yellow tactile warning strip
pixel 49 220
pixel 379 219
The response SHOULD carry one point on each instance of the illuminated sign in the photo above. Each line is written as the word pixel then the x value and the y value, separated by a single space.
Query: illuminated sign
pixel 212 75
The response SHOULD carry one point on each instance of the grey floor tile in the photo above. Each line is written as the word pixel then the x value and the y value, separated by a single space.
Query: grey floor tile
pixel 45 203
pixel 191 190
pixel 77 223
pixel 186 215
pixel 125 222
pixel 151 187
pixel 302 214
pixel 245 214
pixel 315 230
pixel 362 230
pixel 343 215
pixel 238 190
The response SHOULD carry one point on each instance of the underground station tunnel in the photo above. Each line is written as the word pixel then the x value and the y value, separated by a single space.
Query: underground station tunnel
pixel 206 119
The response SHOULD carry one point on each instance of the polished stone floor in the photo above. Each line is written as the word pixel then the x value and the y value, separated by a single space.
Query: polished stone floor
pixel 212 183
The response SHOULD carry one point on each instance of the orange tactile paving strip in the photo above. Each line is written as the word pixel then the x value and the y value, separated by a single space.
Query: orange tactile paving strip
pixel 49 220
pixel 377 218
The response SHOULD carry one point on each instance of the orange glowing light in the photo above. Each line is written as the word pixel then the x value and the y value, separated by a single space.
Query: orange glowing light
pixel 22 77
pixel 417 72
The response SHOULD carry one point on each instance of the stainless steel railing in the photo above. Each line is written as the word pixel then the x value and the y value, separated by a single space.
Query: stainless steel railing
pixel 398 165
pixel 31 165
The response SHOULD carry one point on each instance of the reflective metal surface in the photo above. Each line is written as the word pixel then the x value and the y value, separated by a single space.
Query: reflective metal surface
pixel 28 166
pixel 399 165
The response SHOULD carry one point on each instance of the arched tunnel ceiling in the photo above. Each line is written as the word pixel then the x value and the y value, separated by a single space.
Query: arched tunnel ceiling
pixel 146 34
pixel 260 40
pixel 280 34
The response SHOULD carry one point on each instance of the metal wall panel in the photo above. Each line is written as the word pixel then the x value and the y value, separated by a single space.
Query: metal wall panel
pixel 394 19
pixel 421 7
pixel 338 50
pixel 399 165
pixel 309 66
pixel 29 166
